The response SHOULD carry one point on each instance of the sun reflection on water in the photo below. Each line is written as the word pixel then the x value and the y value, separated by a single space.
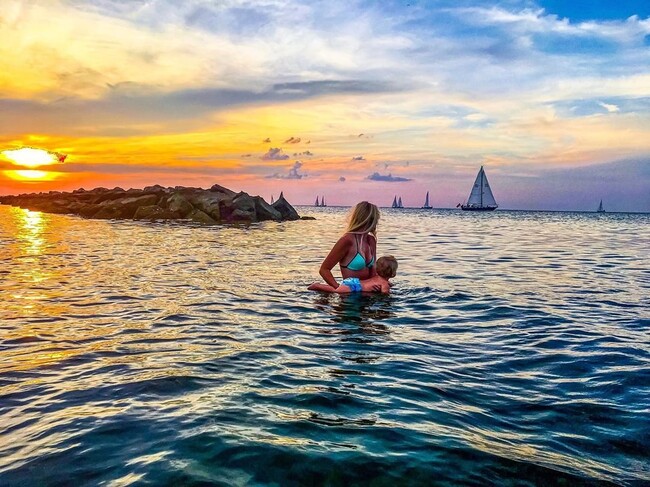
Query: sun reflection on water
pixel 30 231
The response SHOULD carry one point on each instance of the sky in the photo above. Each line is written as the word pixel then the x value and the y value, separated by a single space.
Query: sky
pixel 350 100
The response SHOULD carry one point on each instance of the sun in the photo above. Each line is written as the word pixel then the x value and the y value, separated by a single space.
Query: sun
pixel 31 157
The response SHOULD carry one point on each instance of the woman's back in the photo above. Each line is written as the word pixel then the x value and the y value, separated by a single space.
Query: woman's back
pixel 360 257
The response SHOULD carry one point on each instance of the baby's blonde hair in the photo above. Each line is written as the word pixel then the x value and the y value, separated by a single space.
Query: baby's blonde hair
pixel 386 266
pixel 364 218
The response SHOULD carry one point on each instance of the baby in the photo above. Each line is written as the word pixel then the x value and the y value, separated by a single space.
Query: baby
pixel 386 267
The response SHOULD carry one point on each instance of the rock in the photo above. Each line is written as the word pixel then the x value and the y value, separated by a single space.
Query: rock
pixel 265 211
pixel 89 210
pixel 287 211
pixel 240 216
pixel 59 206
pixel 207 202
pixel 177 203
pixel 243 208
pixel 125 207
pixel 154 212
pixel 307 218
pixel 215 188
pixel 109 195
pixel 155 202
pixel 156 188
pixel 201 217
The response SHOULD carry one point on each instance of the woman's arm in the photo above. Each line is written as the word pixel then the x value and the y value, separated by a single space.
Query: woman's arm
pixel 319 286
pixel 334 257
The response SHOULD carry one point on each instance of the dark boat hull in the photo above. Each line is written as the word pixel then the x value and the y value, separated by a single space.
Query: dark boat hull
pixel 478 208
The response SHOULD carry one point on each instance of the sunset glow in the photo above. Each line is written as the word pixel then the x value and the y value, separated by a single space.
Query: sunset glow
pixel 31 175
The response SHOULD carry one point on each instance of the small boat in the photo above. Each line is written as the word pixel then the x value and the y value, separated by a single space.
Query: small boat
pixel 481 197
pixel 394 205
pixel 399 202
pixel 600 208
pixel 426 206
pixel 322 201
pixel 317 203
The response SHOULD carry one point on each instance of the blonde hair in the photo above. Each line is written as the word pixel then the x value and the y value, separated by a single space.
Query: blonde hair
pixel 364 218
pixel 386 266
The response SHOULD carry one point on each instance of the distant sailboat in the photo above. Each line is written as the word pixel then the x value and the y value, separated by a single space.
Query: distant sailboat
pixel 426 206
pixel 399 203
pixel 271 199
pixel 481 197
pixel 317 203
pixel 322 201
pixel 600 208
pixel 394 205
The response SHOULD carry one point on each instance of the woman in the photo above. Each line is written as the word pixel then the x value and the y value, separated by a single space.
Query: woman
pixel 356 250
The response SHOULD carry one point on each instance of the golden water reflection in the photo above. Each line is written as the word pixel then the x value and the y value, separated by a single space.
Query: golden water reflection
pixel 30 231
pixel 32 285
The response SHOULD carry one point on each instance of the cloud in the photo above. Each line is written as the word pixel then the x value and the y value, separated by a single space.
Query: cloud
pixel 292 140
pixel 275 154
pixel 342 179
pixel 387 178
pixel 292 174
pixel 247 155
pixel 266 141
pixel 305 153
pixel 609 108
pixel 150 104
pixel 358 158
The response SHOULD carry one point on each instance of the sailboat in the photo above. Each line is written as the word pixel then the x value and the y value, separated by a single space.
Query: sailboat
pixel 317 203
pixel 481 197
pixel 600 208
pixel 399 202
pixel 426 206
pixel 394 205
pixel 322 201
pixel 271 199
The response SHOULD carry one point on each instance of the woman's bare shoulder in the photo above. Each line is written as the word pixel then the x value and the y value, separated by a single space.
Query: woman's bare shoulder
pixel 346 237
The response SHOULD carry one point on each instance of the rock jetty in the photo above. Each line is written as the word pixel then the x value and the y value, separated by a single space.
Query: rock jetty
pixel 207 206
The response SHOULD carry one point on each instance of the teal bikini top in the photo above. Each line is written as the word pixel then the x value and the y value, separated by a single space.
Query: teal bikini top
pixel 358 262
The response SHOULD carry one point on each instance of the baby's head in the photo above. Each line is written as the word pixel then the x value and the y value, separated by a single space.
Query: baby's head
pixel 386 266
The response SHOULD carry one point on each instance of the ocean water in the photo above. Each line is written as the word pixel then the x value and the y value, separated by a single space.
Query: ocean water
pixel 514 350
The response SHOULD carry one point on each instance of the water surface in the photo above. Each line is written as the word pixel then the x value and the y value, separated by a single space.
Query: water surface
pixel 515 349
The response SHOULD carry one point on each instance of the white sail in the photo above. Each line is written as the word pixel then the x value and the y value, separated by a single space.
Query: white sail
pixel 399 203
pixel 322 201
pixel 600 207
pixel 395 202
pixel 481 195
pixel 426 201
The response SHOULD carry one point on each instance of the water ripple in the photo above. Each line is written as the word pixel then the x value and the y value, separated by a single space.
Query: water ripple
pixel 513 350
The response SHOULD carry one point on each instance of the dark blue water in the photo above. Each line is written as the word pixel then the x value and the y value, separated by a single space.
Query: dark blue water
pixel 515 350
